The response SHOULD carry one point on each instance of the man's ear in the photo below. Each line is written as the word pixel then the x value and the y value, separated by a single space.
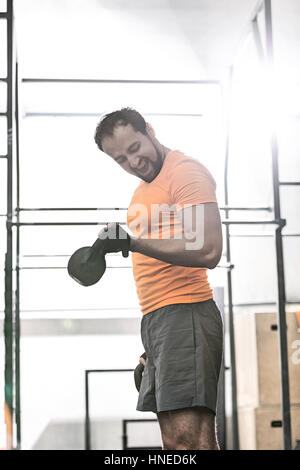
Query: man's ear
pixel 150 130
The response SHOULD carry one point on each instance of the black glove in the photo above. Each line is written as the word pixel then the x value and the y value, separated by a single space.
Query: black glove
pixel 115 239
pixel 138 373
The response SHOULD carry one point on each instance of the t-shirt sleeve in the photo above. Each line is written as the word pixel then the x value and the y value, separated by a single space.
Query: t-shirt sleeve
pixel 190 184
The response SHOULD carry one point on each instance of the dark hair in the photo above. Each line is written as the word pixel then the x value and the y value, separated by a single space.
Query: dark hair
pixel 123 117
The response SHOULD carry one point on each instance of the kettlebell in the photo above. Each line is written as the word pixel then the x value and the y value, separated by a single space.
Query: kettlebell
pixel 87 264
pixel 138 373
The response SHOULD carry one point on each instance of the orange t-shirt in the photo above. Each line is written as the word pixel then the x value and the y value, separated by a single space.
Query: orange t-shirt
pixel 182 181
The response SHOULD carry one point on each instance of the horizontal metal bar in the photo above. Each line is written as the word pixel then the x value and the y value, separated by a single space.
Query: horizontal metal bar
pixel 27 224
pixel 91 371
pixel 267 209
pixel 225 266
pixel 3 15
pixel 236 208
pixel 62 256
pixel 3 156
pixel 225 222
pixel 290 234
pixel 145 420
pixel 3 79
pixel 111 255
pixel 3 114
pixel 87 80
pixel 224 208
pixel 254 304
pixel 262 235
pixel 289 183
pixel 229 266
pixel 251 222
pixel 254 222
pixel 46 256
pixel 72 209
pixel 56 114
pixel 65 267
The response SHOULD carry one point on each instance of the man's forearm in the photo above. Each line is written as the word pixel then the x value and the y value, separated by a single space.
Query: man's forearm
pixel 172 251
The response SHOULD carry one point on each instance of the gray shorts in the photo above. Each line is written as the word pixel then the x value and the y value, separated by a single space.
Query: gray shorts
pixel 184 347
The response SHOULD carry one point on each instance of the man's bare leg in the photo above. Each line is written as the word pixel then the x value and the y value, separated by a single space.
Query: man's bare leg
pixel 188 429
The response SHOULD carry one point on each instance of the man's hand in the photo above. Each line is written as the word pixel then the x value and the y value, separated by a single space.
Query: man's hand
pixel 139 370
pixel 115 239
pixel 143 359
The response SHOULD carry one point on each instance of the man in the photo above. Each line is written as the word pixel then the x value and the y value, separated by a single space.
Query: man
pixel 181 328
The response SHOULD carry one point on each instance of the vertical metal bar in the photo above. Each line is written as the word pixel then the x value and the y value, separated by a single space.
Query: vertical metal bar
pixel 8 319
pixel 17 293
pixel 235 429
pixel 221 402
pixel 257 39
pixel 221 415
pixel 282 327
pixel 87 414
pixel 124 435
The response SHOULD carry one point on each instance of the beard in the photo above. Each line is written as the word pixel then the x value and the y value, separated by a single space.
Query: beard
pixel 156 166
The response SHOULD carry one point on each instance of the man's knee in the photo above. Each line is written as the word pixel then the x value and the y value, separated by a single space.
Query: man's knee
pixel 188 429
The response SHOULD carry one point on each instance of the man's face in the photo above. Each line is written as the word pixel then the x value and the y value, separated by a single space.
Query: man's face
pixel 135 152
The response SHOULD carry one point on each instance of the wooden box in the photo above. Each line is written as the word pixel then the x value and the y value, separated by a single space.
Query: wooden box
pixel 257 359
pixel 260 428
